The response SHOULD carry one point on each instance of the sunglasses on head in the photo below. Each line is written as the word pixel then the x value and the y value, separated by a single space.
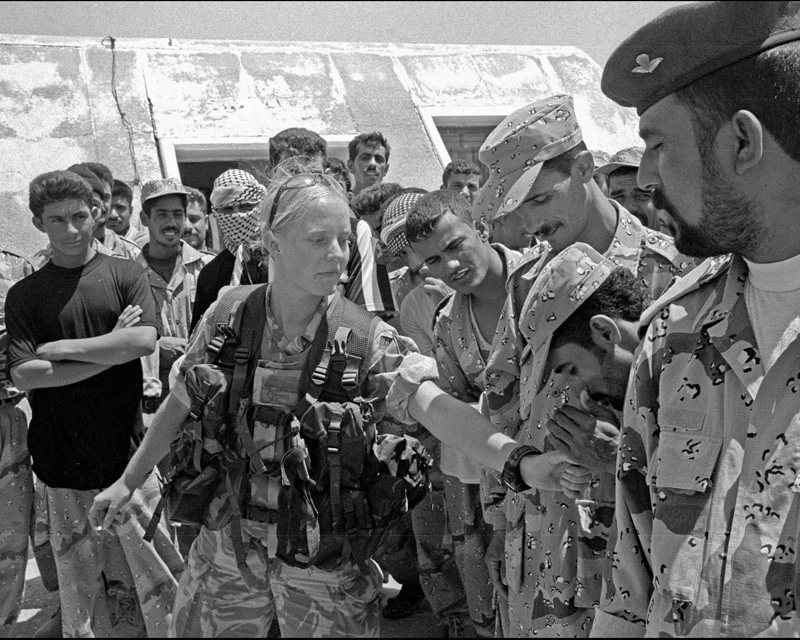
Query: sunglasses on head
pixel 300 181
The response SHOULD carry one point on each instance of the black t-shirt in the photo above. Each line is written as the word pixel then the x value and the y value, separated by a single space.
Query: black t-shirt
pixel 217 274
pixel 79 436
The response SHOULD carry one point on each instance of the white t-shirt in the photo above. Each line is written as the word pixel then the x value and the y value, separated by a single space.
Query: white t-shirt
pixel 772 296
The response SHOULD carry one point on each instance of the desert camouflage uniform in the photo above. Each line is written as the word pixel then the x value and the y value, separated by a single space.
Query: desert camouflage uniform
pixel 16 479
pixel 112 583
pixel 707 500
pixel 214 599
pixel 556 547
pixel 461 359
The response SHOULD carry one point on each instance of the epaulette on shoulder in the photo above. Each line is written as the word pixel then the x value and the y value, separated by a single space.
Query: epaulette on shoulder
pixel 707 271
pixel 661 244
pixel 530 264
pixel 440 308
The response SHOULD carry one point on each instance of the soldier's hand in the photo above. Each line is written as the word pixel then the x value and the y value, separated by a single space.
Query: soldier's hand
pixel 108 504
pixel 588 440
pixel 574 479
pixel 129 317
pixel 495 563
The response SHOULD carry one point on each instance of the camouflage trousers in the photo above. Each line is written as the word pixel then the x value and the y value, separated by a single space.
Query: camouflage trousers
pixel 214 600
pixel 16 509
pixel 112 583
pixel 452 539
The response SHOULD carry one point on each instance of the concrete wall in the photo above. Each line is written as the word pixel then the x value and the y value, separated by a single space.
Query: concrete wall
pixel 57 105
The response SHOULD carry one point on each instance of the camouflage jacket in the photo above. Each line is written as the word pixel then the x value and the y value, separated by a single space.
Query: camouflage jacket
pixel 707 497
pixel 13 268
pixel 458 354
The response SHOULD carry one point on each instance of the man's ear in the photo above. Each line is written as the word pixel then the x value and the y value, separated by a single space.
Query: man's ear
pixel 484 229
pixel 605 332
pixel 387 170
pixel 583 166
pixel 748 141
pixel 37 222
pixel 351 167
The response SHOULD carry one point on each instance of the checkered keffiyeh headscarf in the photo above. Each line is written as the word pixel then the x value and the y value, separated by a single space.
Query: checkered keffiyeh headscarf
pixel 393 232
pixel 231 188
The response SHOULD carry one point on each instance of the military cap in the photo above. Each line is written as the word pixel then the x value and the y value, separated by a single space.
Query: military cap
pixel 630 157
pixel 515 151
pixel 601 158
pixel 688 42
pixel 163 187
pixel 564 284
pixel 90 176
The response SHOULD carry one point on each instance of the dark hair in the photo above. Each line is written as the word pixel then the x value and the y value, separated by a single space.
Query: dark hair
pixel 339 168
pixel 563 163
pixel 121 189
pixel 372 139
pixel 195 195
pixel 370 200
pixel 621 296
pixel 57 186
pixel 431 208
pixel 765 84
pixel 101 171
pixel 295 142
pixel 460 166
pixel 95 181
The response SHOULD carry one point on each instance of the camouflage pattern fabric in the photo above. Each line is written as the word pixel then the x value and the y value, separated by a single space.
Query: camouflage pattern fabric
pixel 214 601
pixel 16 508
pixel 563 581
pixel 462 366
pixel 708 474
pixel 112 584
pixel 16 479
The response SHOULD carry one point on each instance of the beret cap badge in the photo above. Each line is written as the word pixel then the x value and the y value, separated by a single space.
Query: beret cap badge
pixel 645 64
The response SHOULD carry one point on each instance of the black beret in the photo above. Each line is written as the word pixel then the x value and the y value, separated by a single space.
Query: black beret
pixel 688 42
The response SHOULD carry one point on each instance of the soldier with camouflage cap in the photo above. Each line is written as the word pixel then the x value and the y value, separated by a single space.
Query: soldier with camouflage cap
pixel 540 168
pixel 707 470
pixel 621 172
pixel 16 480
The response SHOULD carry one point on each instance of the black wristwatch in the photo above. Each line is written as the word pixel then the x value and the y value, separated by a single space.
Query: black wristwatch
pixel 511 476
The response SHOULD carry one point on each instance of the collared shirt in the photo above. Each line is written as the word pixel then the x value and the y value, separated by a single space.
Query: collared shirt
pixel 571 573
pixel 13 268
pixel 461 363
pixel 112 245
pixel 388 353
pixel 174 300
pixel 707 497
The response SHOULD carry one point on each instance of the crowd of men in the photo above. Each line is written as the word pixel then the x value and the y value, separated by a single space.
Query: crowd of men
pixel 630 318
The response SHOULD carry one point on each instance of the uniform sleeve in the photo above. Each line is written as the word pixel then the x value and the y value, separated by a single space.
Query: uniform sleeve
pixel 627 592
pixel 196 353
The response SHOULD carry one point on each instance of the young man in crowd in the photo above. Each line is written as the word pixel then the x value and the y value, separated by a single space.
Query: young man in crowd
pixel 462 176
pixel 338 169
pixel 369 203
pixel 441 232
pixel 297 142
pixel 551 186
pixel 621 172
pixel 369 160
pixel 76 329
pixel 172 268
pixel 16 480
pixel 195 228
pixel 707 510
pixel 235 202
pixel 119 216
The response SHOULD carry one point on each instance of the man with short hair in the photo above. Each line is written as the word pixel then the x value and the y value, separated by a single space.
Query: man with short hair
pixel 369 159
pixel 551 186
pixel 338 169
pixel 16 479
pixel 76 331
pixel 462 176
pixel 195 226
pixel 708 512
pixel 621 173
pixel 297 142
pixel 442 233
pixel 119 217
pixel 370 203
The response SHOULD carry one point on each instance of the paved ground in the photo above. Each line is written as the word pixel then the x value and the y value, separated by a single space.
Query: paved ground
pixel 39 605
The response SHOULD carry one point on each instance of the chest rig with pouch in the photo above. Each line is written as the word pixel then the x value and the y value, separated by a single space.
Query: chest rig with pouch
pixel 341 484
